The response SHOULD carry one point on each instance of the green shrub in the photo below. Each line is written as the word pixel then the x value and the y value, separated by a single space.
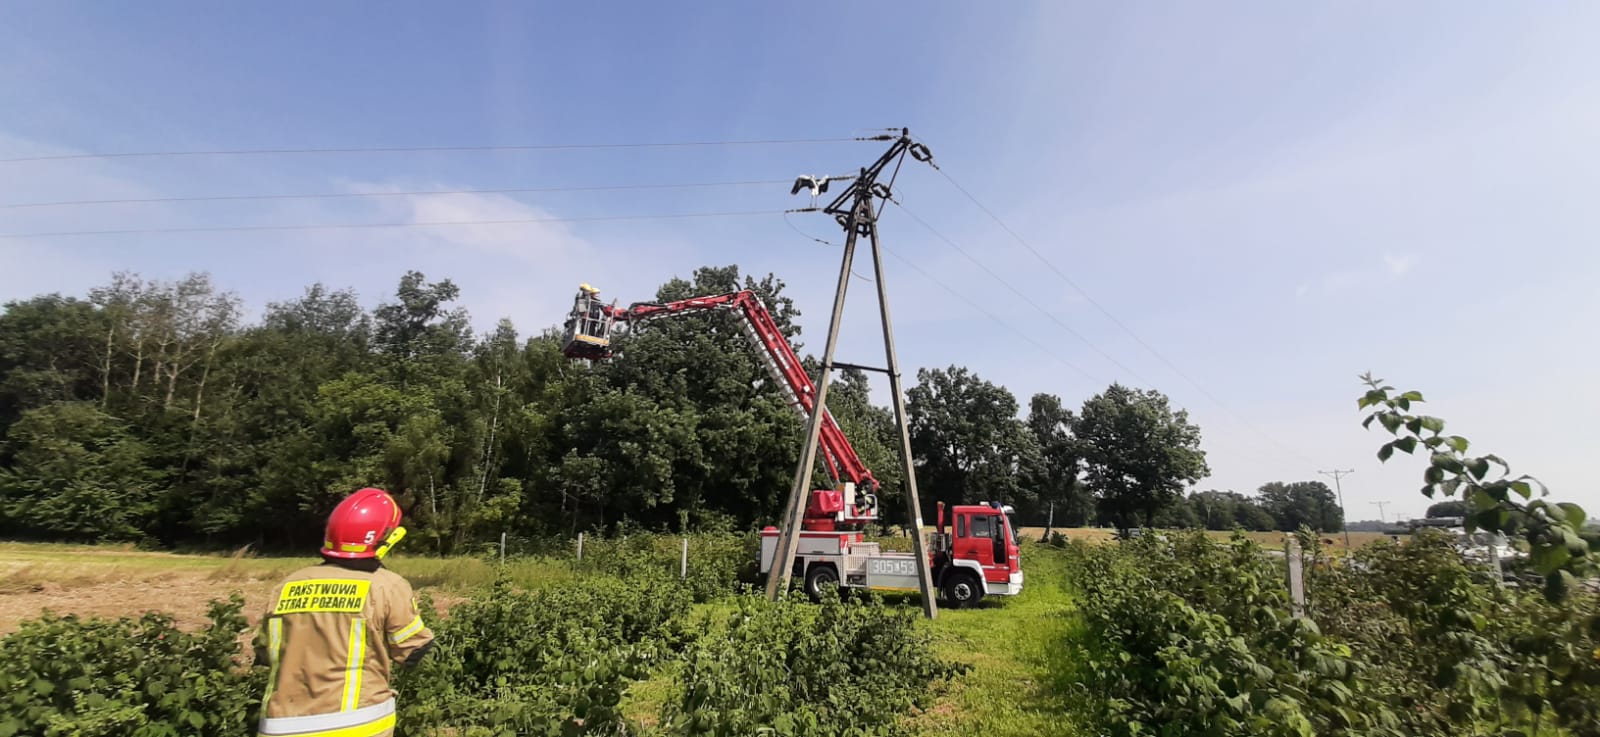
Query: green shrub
pixel 65 676
pixel 1188 637
pixel 553 662
pixel 842 668
pixel 1451 650
pixel 718 562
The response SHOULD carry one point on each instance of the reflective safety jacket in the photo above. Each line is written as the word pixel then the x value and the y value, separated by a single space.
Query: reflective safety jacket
pixel 331 637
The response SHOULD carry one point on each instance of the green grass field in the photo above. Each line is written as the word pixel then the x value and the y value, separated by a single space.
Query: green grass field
pixel 1019 674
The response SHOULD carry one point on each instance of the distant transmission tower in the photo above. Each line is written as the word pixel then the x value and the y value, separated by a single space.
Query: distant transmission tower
pixel 1381 505
pixel 1344 516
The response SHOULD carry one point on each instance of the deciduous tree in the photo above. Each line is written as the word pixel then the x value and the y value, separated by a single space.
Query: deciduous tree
pixel 1139 453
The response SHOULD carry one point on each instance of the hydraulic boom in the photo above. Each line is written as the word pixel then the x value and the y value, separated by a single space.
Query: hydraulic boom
pixel 853 501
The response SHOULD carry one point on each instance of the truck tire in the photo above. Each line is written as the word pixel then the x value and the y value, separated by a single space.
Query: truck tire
pixel 821 576
pixel 962 590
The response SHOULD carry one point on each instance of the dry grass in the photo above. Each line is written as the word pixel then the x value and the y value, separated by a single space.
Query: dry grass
pixel 114 582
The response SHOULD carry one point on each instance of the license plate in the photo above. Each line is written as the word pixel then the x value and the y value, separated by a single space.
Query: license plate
pixel 891 567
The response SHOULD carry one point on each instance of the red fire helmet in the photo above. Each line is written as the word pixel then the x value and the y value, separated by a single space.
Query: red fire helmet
pixel 365 525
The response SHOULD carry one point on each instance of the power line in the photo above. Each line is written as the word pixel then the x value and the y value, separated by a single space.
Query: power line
pixel 1113 318
pixel 416 193
pixel 974 305
pixel 815 239
pixel 353 226
pixel 1021 294
pixel 420 149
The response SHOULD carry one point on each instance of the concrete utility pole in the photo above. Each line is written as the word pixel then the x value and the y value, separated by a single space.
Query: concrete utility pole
pixel 853 210
pixel 1381 505
pixel 1344 516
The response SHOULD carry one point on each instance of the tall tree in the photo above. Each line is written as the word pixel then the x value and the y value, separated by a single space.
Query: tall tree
pixel 1452 508
pixel 419 327
pixel 76 473
pixel 49 352
pixel 967 439
pixel 1060 462
pixel 1139 453
pixel 1226 510
pixel 1308 503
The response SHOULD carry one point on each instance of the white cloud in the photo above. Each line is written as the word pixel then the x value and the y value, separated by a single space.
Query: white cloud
pixel 1399 265
pixel 1394 266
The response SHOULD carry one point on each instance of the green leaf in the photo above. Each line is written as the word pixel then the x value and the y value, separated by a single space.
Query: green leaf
pixel 1433 425
pixel 1385 451
pixel 1479 467
pixel 1414 425
pixel 1406 444
pixel 1557 584
pixel 197 720
pixel 1522 487
pixel 1412 396
pixel 1457 443
pixel 1548 559
pixel 1574 514
pixel 1391 421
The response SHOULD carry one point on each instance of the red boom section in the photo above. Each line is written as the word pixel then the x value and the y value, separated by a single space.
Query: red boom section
pixel 838 455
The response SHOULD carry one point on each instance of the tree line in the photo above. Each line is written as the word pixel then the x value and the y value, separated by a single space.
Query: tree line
pixel 150 411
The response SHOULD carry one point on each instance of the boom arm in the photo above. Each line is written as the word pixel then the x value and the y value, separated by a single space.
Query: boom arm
pixel 588 336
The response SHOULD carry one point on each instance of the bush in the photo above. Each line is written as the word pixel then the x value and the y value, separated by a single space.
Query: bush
pixel 842 668
pixel 1191 638
pixel 1452 650
pixel 554 662
pixel 138 677
pixel 718 562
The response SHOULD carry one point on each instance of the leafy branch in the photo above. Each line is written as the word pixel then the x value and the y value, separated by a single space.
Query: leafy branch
pixel 1497 501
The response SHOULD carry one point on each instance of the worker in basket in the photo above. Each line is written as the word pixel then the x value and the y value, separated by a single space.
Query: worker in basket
pixel 335 631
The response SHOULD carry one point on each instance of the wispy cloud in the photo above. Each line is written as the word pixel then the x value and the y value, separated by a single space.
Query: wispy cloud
pixel 1399 264
pixel 1393 266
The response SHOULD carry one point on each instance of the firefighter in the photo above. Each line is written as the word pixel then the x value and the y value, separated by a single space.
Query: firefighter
pixel 336 630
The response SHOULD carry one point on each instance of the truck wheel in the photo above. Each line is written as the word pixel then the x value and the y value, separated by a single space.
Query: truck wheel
pixel 820 577
pixel 962 590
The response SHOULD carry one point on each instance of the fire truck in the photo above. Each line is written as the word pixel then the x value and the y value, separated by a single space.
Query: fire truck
pixel 976 557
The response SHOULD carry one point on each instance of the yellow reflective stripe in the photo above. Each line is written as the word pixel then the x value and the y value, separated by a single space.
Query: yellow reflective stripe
pixel 274 648
pixel 353 665
pixel 406 632
pixel 369 729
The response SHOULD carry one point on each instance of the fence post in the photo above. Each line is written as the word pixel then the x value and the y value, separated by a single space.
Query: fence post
pixel 502 547
pixel 580 547
pixel 1297 583
pixel 683 562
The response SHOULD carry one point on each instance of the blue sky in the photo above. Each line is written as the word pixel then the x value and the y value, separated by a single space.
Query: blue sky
pixel 1275 197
